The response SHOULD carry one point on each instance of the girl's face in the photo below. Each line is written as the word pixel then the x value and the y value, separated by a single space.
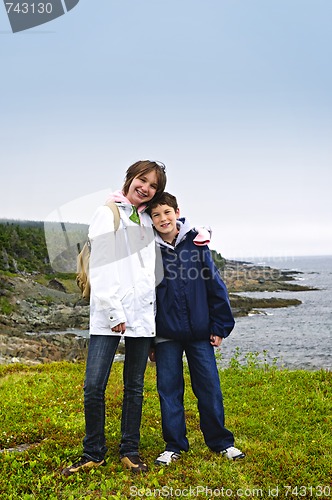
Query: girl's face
pixel 143 188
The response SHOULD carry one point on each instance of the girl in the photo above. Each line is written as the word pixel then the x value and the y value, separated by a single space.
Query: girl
pixel 122 277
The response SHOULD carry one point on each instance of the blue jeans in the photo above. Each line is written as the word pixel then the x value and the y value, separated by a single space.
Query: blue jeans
pixel 206 387
pixel 102 349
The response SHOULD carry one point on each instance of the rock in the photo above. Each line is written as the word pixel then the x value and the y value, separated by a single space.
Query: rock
pixel 54 283
pixel 243 306
pixel 42 348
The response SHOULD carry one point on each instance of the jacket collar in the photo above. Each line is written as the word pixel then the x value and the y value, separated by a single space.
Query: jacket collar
pixel 184 227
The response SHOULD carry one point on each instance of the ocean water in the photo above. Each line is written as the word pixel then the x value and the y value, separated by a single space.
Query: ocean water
pixel 298 337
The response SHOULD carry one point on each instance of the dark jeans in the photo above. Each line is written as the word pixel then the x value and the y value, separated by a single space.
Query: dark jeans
pixel 206 387
pixel 102 349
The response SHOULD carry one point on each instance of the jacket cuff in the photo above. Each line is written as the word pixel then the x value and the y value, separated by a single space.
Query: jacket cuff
pixel 114 320
pixel 220 332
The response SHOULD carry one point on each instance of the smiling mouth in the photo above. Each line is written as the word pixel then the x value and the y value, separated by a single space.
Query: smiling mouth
pixel 140 194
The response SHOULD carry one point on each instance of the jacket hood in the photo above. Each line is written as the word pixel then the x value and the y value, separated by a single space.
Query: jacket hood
pixel 119 197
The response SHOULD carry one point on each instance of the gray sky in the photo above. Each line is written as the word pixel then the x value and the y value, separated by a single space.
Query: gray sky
pixel 235 97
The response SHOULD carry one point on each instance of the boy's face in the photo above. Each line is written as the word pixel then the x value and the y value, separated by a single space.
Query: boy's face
pixel 164 220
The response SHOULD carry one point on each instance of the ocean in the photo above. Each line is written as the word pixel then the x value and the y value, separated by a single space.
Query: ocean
pixel 298 337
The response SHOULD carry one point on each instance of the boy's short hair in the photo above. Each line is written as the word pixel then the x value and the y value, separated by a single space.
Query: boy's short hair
pixel 163 199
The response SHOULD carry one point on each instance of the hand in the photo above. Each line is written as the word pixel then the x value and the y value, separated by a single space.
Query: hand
pixel 120 328
pixel 215 341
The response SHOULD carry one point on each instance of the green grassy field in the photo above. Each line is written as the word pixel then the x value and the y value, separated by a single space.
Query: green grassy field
pixel 281 420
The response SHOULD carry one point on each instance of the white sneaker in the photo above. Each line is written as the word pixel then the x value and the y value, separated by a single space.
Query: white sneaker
pixel 232 453
pixel 166 457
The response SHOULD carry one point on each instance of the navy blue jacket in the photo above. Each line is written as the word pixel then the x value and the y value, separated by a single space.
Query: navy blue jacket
pixel 192 299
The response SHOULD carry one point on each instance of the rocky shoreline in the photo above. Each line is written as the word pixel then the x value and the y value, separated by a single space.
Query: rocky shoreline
pixel 247 277
pixel 34 310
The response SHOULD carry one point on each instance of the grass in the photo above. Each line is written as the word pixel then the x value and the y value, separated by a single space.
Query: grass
pixel 6 307
pixel 281 419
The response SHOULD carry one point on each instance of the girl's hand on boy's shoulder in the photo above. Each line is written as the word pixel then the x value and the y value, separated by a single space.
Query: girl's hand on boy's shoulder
pixel 215 341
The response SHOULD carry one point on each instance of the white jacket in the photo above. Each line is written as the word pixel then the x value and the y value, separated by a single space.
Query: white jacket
pixel 122 274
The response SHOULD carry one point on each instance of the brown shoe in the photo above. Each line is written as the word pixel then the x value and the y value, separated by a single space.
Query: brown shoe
pixel 83 464
pixel 134 463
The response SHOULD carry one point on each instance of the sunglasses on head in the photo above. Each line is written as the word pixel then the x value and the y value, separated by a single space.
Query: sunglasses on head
pixel 159 163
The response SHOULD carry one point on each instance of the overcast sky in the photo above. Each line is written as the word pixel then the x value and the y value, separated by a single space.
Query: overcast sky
pixel 234 96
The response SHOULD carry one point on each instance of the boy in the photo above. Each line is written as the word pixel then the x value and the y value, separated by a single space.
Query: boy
pixel 193 316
